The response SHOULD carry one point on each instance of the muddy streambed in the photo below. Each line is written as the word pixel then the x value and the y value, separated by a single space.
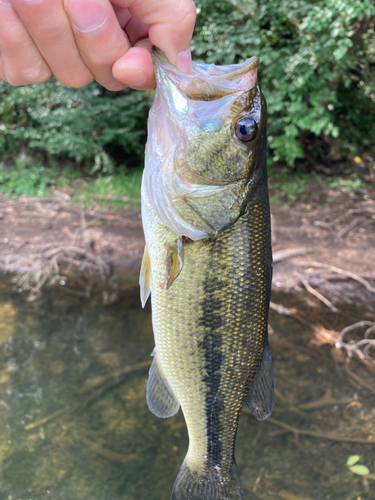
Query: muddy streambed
pixel 74 423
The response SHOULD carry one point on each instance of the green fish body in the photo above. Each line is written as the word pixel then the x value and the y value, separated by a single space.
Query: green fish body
pixel 208 264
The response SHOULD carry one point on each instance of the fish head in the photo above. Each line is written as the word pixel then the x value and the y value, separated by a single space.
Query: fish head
pixel 206 144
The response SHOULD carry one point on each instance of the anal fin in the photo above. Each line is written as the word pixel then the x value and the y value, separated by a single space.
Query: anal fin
pixel 261 398
pixel 160 398
pixel 145 277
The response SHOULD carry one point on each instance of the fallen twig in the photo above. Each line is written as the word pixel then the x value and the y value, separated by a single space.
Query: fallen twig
pixel 125 220
pixel 326 400
pixel 318 434
pixel 96 381
pixel 105 452
pixel 19 201
pixel 285 495
pixel 112 379
pixel 45 420
pixel 354 326
pixel 352 348
pixel 316 293
pixel 360 381
pixel 280 309
pixel 289 252
pixel 342 272
pixel 114 198
pixel 258 479
pixel 65 249
pixel 346 229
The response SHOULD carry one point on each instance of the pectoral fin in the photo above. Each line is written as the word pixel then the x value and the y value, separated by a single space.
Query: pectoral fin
pixel 260 398
pixel 160 398
pixel 145 277
pixel 174 262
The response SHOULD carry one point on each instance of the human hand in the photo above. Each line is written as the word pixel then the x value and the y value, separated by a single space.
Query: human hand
pixel 81 40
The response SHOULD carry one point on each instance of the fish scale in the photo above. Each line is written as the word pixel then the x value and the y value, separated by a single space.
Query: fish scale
pixel 210 299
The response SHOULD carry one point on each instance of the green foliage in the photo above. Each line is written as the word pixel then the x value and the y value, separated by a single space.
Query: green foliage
pixel 316 71
pixel 302 186
pixel 289 187
pixel 90 125
pixel 23 178
pixel 356 468
pixel 352 460
pixel 349 184
pixel 124 183
pixel 26 177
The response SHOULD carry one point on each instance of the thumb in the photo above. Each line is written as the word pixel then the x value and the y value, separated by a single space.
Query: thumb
pixel 171 25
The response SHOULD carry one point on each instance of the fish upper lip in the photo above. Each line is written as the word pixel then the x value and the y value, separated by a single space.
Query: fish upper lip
pixel 221 80
pixel 214 71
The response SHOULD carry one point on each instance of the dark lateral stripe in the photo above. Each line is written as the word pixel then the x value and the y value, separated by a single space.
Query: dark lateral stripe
pixel 211 345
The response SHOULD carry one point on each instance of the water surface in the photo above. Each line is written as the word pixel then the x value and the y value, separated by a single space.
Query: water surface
pixel 74 425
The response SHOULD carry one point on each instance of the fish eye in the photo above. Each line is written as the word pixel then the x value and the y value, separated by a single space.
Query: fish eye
pixel 246 129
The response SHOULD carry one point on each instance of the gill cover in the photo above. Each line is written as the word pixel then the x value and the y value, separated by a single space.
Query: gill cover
pixel 197 170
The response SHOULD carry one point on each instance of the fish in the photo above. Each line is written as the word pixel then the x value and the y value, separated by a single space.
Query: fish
pixel 207 263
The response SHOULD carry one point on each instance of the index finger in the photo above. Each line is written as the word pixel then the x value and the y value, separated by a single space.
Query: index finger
pixel 171 25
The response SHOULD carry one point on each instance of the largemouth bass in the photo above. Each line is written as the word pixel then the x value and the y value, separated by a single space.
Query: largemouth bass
pixel 208 263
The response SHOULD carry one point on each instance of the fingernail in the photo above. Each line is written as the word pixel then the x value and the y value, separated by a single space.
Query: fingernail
pixel 131 77
pixel 5 2
pixel 184 62
pixel 87 19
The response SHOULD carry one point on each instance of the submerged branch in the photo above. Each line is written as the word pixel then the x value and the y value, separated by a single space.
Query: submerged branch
pixel 352 348
pixel 326 400
pixel 106 382
pixel 363 383
pixel 317 294
pixel 320 434
pixel 337 270
pixel 105 452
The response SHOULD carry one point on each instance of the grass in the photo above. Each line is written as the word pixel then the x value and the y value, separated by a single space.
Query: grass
pixel 288 186
pixel 125 183
pixel 26 177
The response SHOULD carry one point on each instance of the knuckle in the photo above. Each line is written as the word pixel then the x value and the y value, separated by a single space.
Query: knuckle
pixel 96 60
pixel 77 81
pixel 188 14
pixel 27 77
pixel 36 75
pixel 114 86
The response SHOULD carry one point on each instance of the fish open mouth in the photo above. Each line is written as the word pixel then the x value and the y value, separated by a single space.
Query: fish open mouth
pixel 208 82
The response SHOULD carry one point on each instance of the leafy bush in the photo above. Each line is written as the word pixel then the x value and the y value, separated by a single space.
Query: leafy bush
pixel 317 65
pixel 317 72
pixel 89 124
pixel 33 178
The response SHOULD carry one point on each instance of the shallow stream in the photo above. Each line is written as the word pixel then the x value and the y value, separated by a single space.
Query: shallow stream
pixel 74 424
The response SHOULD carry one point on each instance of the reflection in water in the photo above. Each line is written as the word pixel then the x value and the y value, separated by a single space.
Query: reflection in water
pixel 74 423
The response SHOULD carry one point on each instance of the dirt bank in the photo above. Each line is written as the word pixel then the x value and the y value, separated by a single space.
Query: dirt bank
pixel 50 239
